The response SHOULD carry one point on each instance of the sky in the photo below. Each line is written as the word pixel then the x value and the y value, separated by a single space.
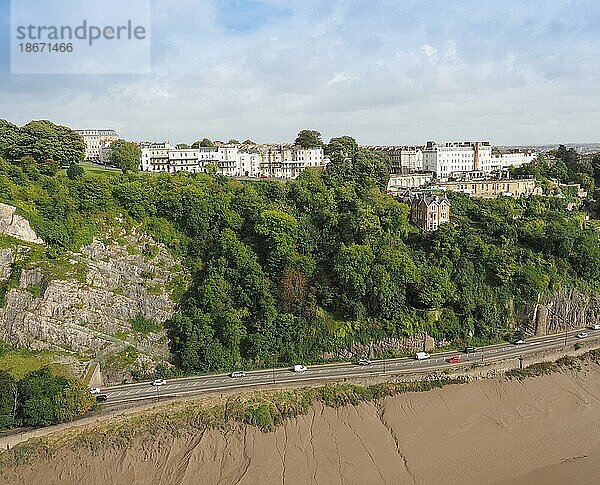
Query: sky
pixel 382 71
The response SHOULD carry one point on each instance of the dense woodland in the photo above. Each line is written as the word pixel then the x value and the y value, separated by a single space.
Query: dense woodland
pixel 282 272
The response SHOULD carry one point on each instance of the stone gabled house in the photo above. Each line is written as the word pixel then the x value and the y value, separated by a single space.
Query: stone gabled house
pixel 428 211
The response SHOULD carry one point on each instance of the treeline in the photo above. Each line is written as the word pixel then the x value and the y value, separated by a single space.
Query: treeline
pixel 566 165
pixel 41 145
pixel 569 167
pixel 41 398
pixel 283 272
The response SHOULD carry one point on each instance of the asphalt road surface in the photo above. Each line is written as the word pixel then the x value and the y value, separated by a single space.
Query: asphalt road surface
pixel 219 382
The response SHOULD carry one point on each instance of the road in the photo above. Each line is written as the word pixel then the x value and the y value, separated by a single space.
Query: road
pixel 221 382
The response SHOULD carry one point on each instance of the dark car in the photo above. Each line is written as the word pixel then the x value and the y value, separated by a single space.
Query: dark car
pixel 101 398
pixel 470 350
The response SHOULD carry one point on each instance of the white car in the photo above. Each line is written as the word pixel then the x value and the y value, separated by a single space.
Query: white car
pixel 238 373
pixel 595 327
pixel 582 335
pixel 363 362
pixel 159 382
pixel 95 390
pixel 299 368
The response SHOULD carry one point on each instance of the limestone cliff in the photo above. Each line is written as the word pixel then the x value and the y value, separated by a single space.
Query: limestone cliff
pixel 16 226
pixel 106 302
pixel 565 309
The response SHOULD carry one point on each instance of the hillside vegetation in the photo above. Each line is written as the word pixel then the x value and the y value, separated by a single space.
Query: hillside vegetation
pixel 283 272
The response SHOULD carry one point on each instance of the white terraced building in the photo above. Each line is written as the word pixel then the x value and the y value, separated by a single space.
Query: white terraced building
pixel 95 140
pixel 280 161
pixel 512 158
pixel 465 156
pixel 470 156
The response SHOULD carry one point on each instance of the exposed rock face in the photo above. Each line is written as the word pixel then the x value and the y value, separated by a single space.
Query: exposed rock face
pixel 416 343
pixel 565 309
pixel 16 226
pixel 92 316
pixel 6 260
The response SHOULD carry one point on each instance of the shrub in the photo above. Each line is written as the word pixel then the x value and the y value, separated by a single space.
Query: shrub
pixel 143 325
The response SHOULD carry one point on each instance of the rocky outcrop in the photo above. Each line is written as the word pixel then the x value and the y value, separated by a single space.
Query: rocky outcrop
pixel 566 309
pixel 92 315
pixel 16 226
pixel 6 261
pixel 388 346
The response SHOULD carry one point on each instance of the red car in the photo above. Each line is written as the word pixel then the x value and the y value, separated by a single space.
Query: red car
pixel 454 359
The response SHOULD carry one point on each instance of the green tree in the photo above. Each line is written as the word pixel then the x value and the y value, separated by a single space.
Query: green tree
pixel 279 231
pixel 233 141
pixel 26 162
pixel 125 155
pixel 341 147
pixel 75 171
pixel 49 167
pixel 366 168
pixel 93 193
pixel 8 400
pixel 353 266
pixel 309 139
pixel 204 143
pixel 212 168
pixel 9 134
pixel 43 140
pixel 46 398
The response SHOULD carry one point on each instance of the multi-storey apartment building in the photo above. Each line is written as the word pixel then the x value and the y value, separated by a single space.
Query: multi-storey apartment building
pixel 95 140
pixel 287 161
pixel 404 159
pixel 281 161
pixel 465 156
pixel 514 158
pixel 155 156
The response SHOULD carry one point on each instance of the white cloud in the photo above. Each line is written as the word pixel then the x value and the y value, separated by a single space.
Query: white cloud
pixel 341 77
pixel 431 53
pixel 381 71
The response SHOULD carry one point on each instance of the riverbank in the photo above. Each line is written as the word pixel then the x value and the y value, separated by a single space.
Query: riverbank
pixel 537 427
